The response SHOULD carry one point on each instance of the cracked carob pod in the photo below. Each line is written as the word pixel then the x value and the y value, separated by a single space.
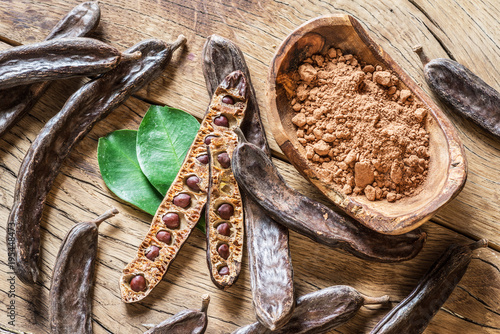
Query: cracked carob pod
pixel 70 300
pixel 185 322
pixel 270 263
pixel 463 91
pixel 259 178
pixel 42 162
pixel 56 59
pixel 181 208
pixel 17 101
pixel 413 314
pixel 320 311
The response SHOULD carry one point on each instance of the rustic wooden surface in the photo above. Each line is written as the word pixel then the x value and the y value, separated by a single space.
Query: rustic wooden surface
pixel 465 31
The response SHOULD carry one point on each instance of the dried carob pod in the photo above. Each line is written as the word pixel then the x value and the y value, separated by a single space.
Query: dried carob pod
pixel 270 263
pixel 185 322
pixel 56 59
pixel 413 314
pixel 259 178
pixel 17 101
pixel 463 91
pixel 84 108
pixel 70 300
pixel 320 311
pixel 181 208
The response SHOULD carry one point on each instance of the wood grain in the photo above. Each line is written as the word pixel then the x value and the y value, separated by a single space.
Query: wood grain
pixel 465 32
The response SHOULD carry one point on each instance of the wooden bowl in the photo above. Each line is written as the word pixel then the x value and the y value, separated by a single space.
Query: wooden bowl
pixel 447 165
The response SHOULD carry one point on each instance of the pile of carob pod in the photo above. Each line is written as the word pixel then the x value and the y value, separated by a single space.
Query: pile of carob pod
pixel 229 153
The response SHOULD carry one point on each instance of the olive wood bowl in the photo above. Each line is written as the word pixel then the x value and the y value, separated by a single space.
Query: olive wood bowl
pixel 447 164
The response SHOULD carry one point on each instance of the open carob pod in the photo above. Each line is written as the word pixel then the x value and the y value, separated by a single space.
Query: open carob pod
pixel 269 260
pixel 185 322
pixel 320 311
pixel 17 101
pixel 463 91
pixel 259 178
pixel 43 160
pixel 414 313
pixel 70 301
pixel 181 208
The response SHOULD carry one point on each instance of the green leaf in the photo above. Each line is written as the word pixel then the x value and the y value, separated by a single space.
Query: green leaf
pixel 120 170
pixel 163 140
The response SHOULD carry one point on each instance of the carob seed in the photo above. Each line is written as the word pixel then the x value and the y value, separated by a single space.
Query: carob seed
pixel 192 183
pixel 208 140
pixel 164 236
pixel 228 99
pixel 221 121
pixel 138 283
pixel 224 160
pixel 224 271
pixel 224 229
pixel 203 158
pixel 171 219
pixel 152 252
pixel 223 251
pixel 182 200
pixel 225 211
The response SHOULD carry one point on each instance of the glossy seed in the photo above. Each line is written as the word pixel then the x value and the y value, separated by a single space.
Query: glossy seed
pixel 203 158
pixel 225 211
pixel 224 271
pixel 223 251
pixel 221 121
pixel 224 229
pixel 138 283
pixel 152 253
pixel 182 200
pixel 208 140
pixel 228 99
pixel 164 236
pixel 171 219
pixel 192 183
pixel 224 160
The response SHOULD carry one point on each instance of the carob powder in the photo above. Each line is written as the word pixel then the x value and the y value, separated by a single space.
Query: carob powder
pixel 360 127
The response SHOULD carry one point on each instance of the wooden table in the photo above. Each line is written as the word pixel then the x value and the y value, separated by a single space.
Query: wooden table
pixel 463 30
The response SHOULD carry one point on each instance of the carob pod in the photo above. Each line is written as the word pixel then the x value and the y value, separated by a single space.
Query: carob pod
pixel 56 59
pixel 17 101
pixel 224 213
pixel 185 322
pixel 463 91
pixel 84 108
pixel 181 208
pixel 270 263
pixel 259 178
pixel 70 299
pixel 413 314
pixel 320 311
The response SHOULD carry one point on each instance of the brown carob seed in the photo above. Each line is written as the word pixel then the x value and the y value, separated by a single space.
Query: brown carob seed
pixel 190 214
pixel 320 311
pixel 463 91
pixel 252 168
pixel 70 302
pixel 88 105
pixel 270 263
pixel 17 101
pixel 185 322
pixel 413 314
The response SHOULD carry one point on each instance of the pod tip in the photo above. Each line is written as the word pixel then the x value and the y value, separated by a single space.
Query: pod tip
pixel 205 300
pixel 419 50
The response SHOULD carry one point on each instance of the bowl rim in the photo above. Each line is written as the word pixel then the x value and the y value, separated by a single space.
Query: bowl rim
pixel 372 218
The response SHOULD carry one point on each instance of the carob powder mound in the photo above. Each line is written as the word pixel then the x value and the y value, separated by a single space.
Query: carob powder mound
pixel 360 127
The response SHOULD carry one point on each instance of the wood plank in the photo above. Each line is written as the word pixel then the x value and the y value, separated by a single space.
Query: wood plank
pixel 258 27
